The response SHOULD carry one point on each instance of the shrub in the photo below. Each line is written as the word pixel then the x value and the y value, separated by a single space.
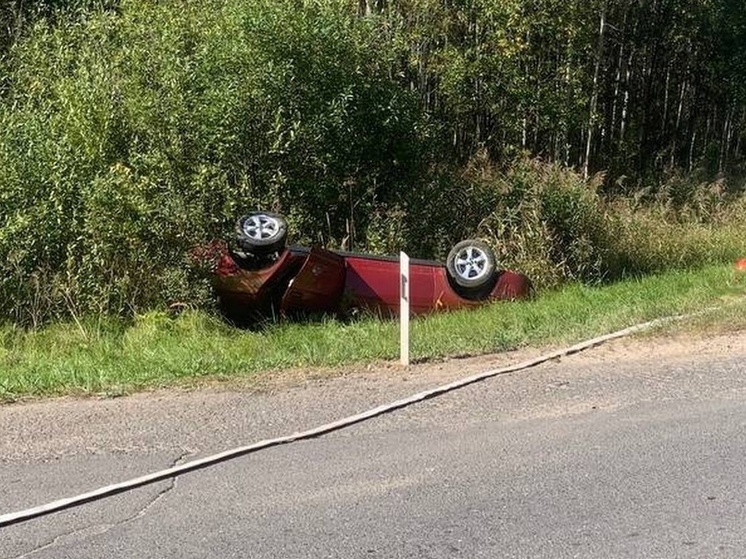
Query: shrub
pixel 132 130
pixel 652 238
pixel 554 226
pixel 124 142
pixel 549 223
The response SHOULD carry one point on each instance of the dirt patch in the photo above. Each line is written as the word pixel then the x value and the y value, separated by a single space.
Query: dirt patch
pixel 667 346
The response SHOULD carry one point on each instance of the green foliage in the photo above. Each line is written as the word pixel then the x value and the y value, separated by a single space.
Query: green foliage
pixel 552 224
pixel 123 143
pixel 549 222
pixel 655 238
pixel 112 357
pixel 131 130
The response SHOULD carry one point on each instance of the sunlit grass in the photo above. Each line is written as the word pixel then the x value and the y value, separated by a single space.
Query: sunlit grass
pixel 111 357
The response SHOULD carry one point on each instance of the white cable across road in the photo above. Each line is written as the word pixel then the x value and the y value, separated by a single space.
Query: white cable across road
pixel 109 490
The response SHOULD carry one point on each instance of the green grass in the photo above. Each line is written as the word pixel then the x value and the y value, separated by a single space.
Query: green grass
pixel 109 357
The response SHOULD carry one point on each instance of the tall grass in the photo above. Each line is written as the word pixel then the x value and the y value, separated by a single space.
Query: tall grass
pixel 557 227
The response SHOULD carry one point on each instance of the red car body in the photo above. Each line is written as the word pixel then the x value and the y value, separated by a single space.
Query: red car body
pixel 322 281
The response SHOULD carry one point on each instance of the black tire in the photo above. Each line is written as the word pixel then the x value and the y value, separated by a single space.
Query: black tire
pixel 472 268
pixel 261 232
pixel 251 261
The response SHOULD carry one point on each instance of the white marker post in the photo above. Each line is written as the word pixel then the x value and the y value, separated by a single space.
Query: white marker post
pixel 404 308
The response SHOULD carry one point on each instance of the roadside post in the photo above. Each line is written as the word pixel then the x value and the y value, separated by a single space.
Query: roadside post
pixel 404 309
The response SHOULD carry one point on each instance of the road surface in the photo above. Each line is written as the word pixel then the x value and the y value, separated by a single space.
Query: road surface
pixel 633 450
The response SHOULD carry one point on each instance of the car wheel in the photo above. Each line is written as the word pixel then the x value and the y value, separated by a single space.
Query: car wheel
pixel 472 268
pixel 261 232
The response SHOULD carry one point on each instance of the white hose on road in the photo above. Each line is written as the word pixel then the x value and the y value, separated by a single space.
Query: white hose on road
pixel 103 492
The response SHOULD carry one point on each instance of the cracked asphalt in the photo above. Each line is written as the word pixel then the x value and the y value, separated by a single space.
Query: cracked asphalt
pixel 635 449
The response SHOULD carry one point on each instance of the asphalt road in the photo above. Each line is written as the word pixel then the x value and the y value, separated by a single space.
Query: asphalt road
pixel 626 452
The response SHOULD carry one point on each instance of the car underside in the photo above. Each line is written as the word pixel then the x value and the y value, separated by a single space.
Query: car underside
pixel 262 277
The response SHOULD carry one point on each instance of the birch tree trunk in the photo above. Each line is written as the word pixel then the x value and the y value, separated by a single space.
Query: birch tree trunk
pixel 594 92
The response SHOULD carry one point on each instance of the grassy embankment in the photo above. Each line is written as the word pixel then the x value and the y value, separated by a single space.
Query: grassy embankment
pixel 111 357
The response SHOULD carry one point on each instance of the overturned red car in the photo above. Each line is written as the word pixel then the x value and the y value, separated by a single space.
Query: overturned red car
pixel 260 276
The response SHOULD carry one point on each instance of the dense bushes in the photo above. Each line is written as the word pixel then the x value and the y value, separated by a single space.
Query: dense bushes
pixel 131 130
pixel 123 143
pixel 549 222
pixel 557 227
